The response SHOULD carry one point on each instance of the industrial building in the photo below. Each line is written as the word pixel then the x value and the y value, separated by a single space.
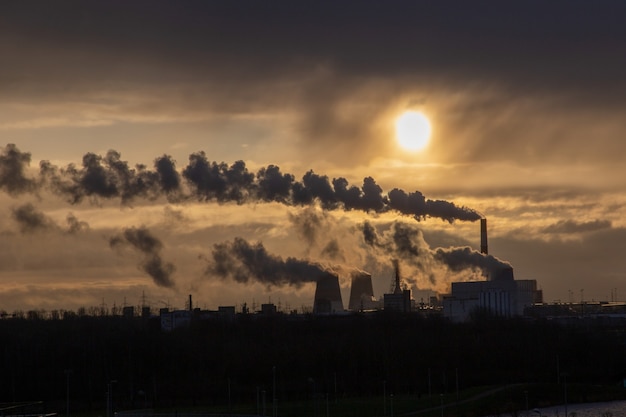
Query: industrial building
pixel 501 294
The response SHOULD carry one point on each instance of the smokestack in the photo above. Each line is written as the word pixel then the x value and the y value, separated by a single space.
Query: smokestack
pixel 190 303
pixel 397 289
pixel 483 237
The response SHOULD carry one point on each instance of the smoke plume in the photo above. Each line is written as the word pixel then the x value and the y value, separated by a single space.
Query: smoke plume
pixel 31 220
pixel 243 261
pixel 74 225
pixel 108 177
pixel 142 240
pixel 333 251
pixel 405 242
pixel 308 224
pixel 13 165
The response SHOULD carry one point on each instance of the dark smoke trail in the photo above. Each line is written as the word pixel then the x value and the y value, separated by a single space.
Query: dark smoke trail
pixel 30 220
pixel 405 242
pixel 309 224
pixel 210 180
pixel 243 261
pixel 418 206
pixel 110 177
pixel 13 165
pixel 169 178
pixel 333 251
pixel 458 259
pixel 74 225
pixel 142 240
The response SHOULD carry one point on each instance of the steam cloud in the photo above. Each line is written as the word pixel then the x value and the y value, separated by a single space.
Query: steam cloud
pixel 405 242
pixel 243 261
pixel 142 240
pixel 109 177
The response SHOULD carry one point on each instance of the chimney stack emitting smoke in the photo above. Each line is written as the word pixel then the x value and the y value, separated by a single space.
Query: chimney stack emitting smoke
pixel 483 237
pixel 397 289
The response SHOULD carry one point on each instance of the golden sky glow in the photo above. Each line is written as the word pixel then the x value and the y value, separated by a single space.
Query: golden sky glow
pixel 538 149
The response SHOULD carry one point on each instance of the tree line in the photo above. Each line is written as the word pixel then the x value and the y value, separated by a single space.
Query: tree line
pixel 290 358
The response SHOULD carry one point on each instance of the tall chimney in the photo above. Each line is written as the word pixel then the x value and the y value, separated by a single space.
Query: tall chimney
pixel 397 289
pixel 190 303
pixel 483 237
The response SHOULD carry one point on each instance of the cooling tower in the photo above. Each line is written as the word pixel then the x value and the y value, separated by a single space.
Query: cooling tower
pixel 483 237
pixel 361 292
pixel 327 295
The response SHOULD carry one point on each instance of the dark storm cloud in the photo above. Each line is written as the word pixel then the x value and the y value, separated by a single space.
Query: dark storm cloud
pixel 573 226
pixel 244 261
pixel 142 240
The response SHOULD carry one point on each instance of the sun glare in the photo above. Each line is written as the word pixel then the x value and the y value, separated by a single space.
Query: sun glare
pixel 413 130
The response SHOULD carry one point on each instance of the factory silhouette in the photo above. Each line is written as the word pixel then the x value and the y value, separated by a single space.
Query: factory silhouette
pixel 499 295
pixel 108 177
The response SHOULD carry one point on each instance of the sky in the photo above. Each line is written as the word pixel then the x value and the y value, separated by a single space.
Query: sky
pixel 239 150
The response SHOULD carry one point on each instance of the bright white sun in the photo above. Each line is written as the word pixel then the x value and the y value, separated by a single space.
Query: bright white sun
pixel 413 130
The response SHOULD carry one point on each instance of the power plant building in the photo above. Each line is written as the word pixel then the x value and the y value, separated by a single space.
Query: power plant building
pixel 500 297
pixel 500 294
